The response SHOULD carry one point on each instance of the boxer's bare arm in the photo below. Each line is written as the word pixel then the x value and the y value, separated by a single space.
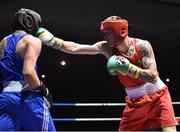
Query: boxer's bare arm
pixel 149 73
pixel 76 48
pixel 2 45
pixel 70 47
pixel 29 48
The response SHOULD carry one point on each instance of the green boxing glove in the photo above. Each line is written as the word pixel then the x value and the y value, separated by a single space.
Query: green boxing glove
pixel 48 38
pixel 118 64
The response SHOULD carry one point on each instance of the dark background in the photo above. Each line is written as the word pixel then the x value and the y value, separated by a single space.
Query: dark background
pixel 85 78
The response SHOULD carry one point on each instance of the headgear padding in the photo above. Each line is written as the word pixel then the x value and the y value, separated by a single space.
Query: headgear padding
pixel 27 20
pixel 119 26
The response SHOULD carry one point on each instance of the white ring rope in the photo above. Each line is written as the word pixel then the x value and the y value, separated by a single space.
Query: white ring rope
pixel 93 104
pixel 90 119
pixel 86 119
pixel 97 104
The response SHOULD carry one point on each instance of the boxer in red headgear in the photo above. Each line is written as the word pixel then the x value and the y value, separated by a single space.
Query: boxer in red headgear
pixel 148 102
pixel 118 26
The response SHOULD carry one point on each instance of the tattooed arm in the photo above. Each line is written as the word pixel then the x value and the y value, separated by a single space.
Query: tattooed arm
pixel 149 73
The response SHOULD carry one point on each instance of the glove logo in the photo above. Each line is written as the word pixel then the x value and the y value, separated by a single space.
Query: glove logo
pixel 120 61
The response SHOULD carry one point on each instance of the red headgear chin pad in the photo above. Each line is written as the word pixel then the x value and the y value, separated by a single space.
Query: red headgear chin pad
pixel 120 27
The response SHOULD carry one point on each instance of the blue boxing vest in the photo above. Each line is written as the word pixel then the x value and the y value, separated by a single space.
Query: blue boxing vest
pixel 12 63
pixel 21 108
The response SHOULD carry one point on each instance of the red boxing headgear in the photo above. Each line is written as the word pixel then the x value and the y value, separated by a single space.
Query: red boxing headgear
pixel 119 26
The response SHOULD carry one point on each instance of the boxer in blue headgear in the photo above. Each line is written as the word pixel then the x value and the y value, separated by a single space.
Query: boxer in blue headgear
pixel 25 100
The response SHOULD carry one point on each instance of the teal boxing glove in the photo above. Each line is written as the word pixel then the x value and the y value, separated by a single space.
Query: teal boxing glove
pixel 119 64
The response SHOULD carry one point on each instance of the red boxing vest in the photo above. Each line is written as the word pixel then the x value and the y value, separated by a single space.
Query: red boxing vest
pixel 136 59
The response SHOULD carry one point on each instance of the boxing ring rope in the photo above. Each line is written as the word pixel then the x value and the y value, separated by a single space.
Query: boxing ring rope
pixel 85 119
pixel 89 104
pixel 95 105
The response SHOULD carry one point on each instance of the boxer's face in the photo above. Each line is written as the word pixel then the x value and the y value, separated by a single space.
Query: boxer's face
pixel 109 36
